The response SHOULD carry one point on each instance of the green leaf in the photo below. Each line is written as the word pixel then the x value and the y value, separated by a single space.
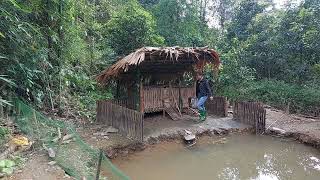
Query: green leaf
pixel 2 164
pixel 9 163
pixel 3 78
pixel 7 171
pixel 3 57
pixel 15 4
pixel 1 34
pixel 2 101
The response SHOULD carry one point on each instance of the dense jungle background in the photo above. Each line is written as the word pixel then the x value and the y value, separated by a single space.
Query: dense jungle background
pixel 52 50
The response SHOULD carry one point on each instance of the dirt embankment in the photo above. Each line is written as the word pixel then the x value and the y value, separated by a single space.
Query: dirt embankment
pixel 125 149
pixel 301 128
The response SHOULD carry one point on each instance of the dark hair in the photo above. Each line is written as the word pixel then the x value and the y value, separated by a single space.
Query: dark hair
pixel 199 73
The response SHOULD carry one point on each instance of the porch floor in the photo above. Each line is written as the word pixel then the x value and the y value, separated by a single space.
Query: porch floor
pixel 157 125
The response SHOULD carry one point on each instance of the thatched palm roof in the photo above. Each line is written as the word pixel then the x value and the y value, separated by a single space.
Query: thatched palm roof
pixel 151 59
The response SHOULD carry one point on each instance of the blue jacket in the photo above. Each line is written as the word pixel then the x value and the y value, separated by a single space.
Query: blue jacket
pixel 203 88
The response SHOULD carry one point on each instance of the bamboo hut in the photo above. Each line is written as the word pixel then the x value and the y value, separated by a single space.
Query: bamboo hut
pixel 154 79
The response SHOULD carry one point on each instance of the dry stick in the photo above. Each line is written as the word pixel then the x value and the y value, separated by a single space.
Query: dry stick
pixel 273 123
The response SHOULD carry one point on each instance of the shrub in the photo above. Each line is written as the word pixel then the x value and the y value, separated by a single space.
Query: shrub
pixel 304 99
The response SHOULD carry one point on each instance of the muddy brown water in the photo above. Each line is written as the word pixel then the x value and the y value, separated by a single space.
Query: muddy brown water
pixel 231 158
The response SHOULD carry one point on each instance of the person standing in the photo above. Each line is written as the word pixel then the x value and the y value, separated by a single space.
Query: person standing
pixel 203 91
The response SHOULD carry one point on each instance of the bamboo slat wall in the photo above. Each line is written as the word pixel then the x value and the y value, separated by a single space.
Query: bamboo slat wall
pixel 128 103
pixel 251 113
pixel 128 121
pixel 218 106
pixel 154 97
pixel 186 93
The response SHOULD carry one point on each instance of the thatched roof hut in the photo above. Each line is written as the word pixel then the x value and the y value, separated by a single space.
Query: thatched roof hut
pixel 161 61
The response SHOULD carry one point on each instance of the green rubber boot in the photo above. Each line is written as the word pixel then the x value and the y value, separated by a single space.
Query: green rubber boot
pixel 202 116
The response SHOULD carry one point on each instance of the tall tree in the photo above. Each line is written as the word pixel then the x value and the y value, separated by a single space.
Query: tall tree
pixel 179 22
pixel 131 28
pixel 244 14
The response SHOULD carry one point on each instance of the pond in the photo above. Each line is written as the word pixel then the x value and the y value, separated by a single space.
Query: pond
pixel 233 157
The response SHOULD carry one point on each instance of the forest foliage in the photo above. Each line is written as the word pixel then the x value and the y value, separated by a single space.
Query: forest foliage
pixel 51 50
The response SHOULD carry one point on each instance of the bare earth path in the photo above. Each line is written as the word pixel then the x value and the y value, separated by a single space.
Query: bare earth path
pixel 37 168
pixel 293 124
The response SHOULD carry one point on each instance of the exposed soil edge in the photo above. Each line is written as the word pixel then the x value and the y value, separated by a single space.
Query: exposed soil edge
pixel 298 136
pixel 124 150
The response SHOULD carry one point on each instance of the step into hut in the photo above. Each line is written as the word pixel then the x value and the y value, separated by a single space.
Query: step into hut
pixel 155 79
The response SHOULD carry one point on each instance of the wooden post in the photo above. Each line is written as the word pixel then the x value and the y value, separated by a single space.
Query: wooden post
pixel 180 98
pixel 99 165
pixel 226 106
pixel 1 110
pixel 118 89
pixel 141 97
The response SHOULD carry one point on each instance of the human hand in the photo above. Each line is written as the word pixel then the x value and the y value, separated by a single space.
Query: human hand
pixel 211 98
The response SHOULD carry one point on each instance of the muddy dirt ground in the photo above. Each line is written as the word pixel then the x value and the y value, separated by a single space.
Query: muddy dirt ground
pixel 303 128
pixel 37 167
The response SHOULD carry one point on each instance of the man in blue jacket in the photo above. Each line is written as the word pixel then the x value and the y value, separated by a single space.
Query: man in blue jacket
pixel 203 91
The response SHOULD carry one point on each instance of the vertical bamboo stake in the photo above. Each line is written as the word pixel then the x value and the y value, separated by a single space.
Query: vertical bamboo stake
pixel 180 98
pixel 141 97
pixel 1 110
pixel 99 165
pixel 36 123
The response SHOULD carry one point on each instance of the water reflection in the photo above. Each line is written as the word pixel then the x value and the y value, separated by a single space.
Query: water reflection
pixel 240 157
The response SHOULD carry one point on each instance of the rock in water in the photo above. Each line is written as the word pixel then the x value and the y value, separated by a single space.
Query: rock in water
pixel 111 129
pixel 189 138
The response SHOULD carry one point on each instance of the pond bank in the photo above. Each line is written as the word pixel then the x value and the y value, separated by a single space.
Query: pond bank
pixel 162 129
pixel 303 129
pixel 159 129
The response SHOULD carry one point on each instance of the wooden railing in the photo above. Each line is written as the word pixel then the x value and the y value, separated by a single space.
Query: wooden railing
pixel 218 106
pixel 251 113
pixel 128 121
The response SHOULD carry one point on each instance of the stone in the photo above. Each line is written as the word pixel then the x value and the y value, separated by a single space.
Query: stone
pixel 19 171
pixel 189 137
pixel 67 137
pixel 51 153
pixel 278 130
pixel 51 163
pixel 96 134
pixel 66 176
pixel 111 129
pixel 105 137
pixel 67 141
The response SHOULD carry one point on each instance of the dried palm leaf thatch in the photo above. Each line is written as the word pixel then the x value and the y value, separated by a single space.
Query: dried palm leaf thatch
pixel 199 56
